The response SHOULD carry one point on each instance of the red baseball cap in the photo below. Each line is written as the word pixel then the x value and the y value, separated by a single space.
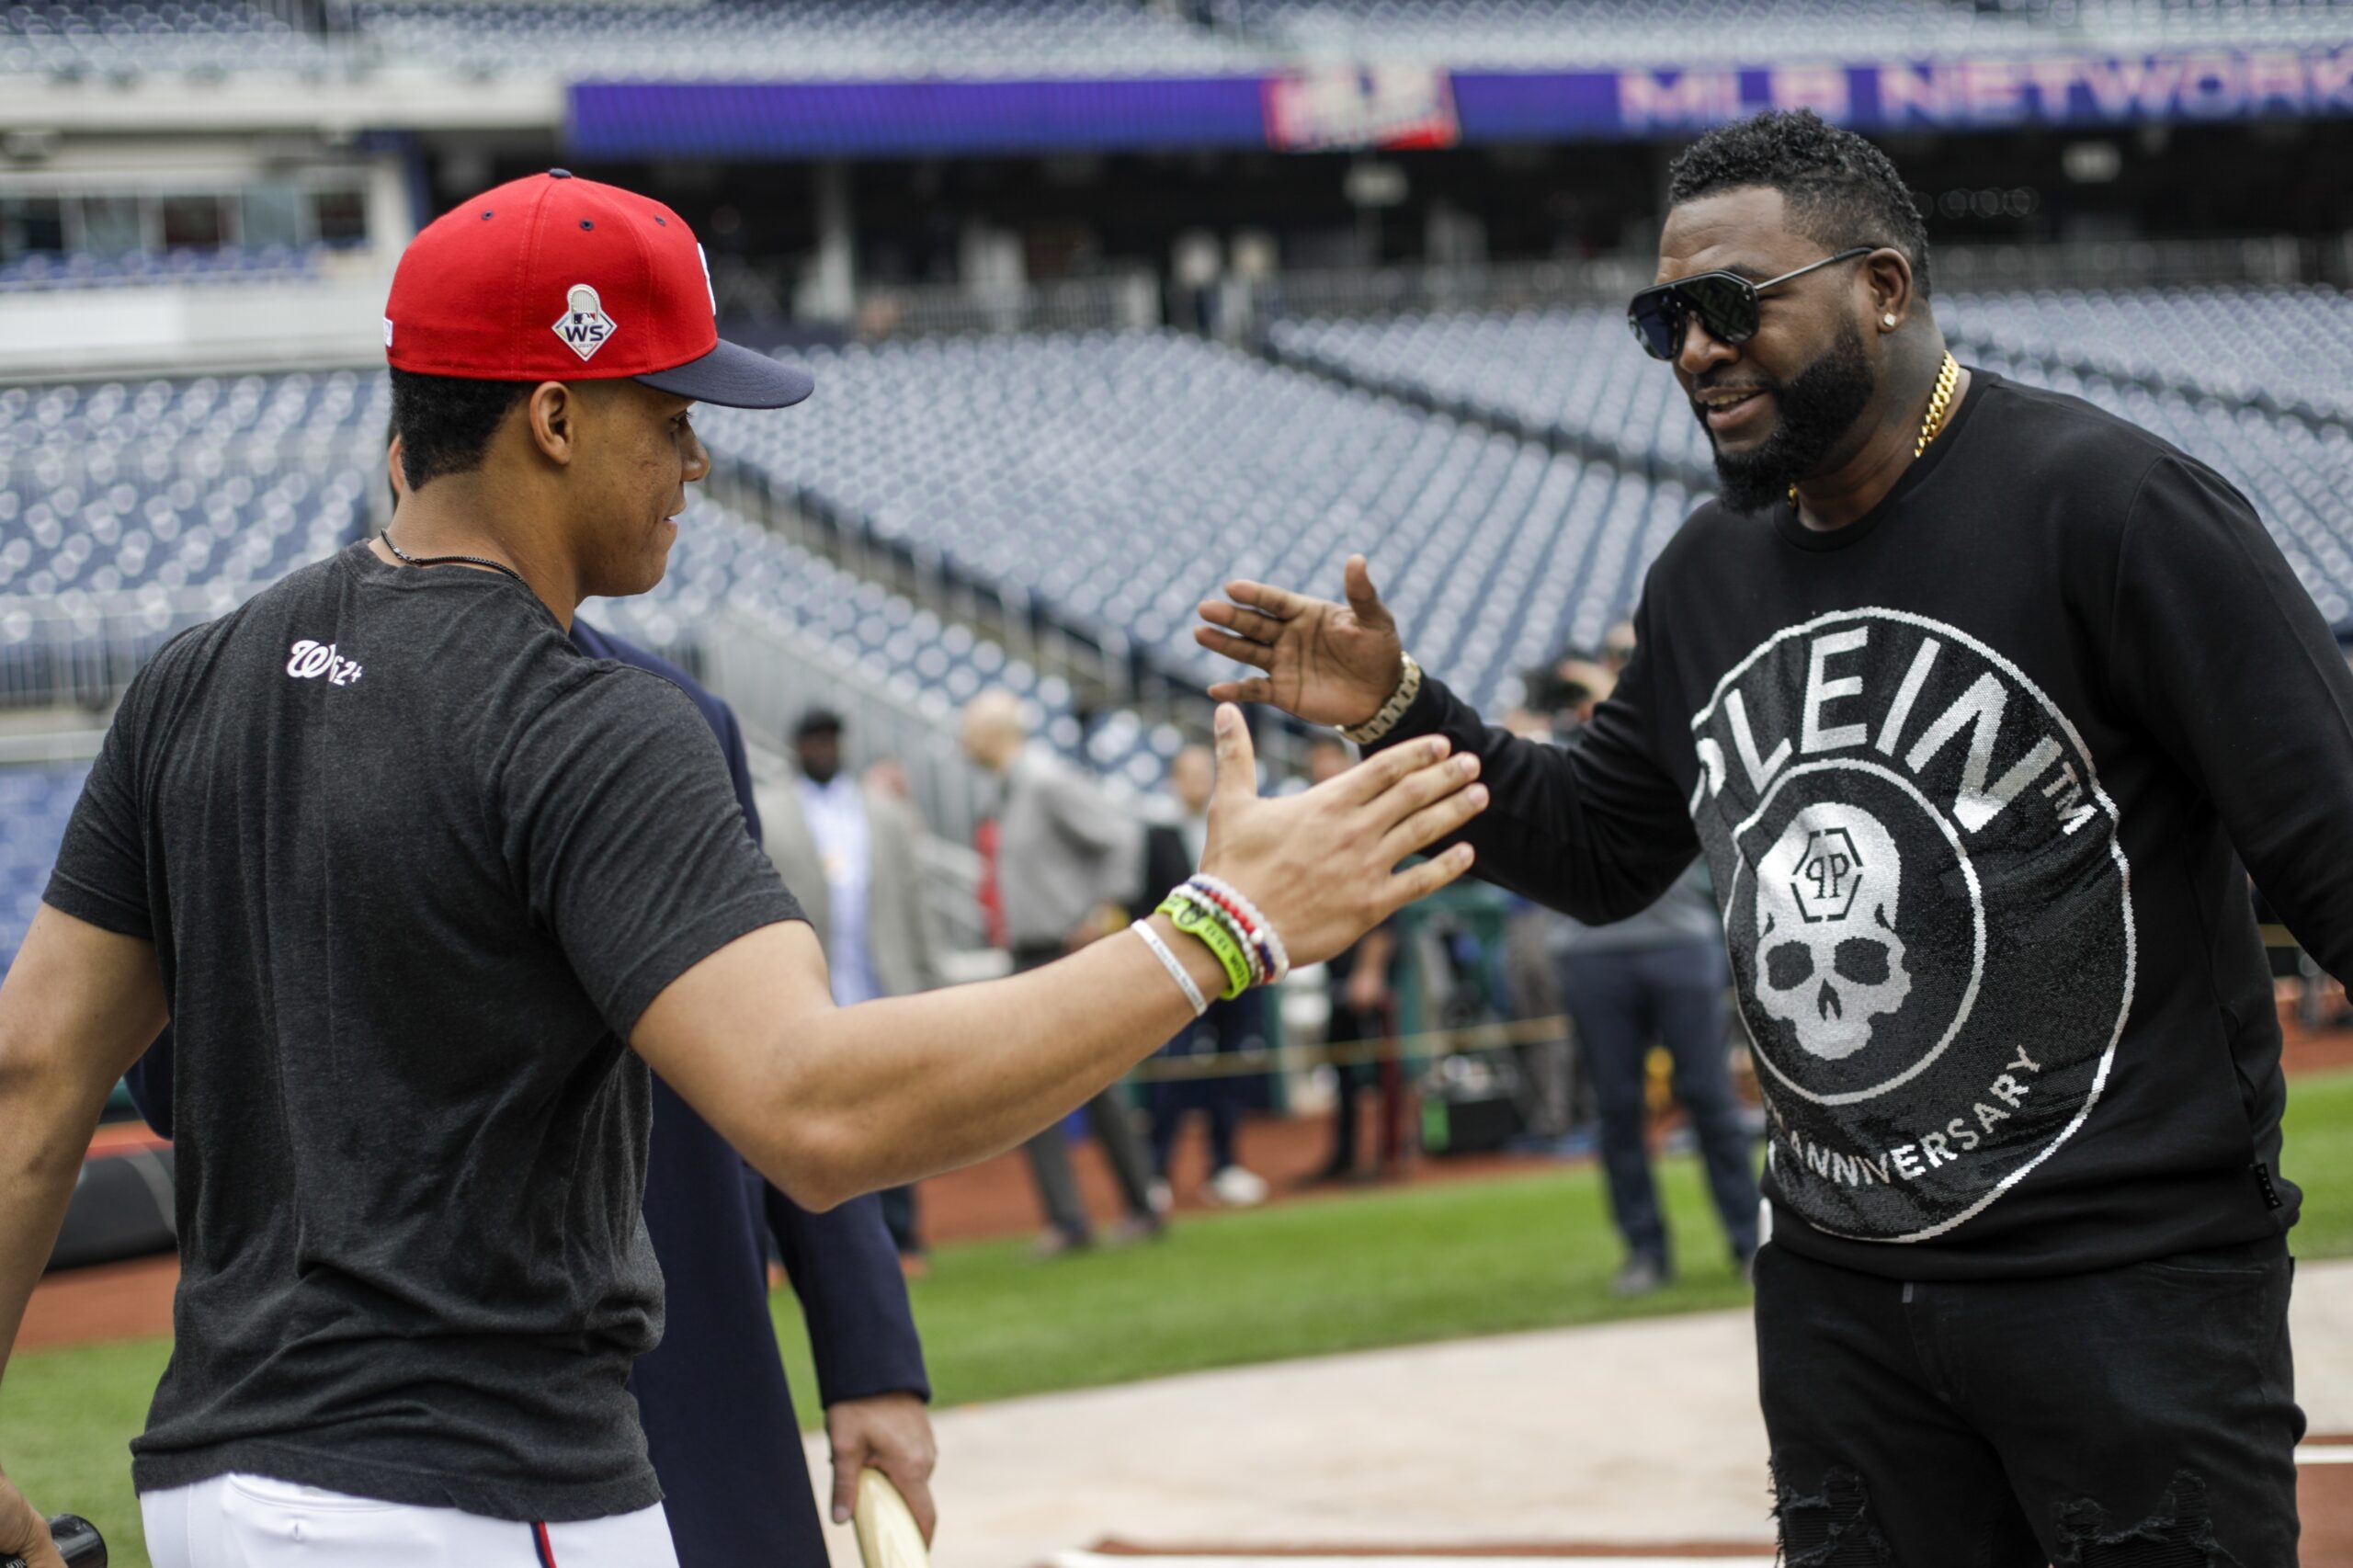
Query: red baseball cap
pixel 557 278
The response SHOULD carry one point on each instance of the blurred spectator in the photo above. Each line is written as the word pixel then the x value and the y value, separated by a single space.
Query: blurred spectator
pixel 850 850
pixel 1660 976
pixel 1364 1010
pixel 1069 861
pixel 1172 853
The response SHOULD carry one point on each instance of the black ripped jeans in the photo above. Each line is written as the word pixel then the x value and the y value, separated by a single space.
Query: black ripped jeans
pixel 2134 1418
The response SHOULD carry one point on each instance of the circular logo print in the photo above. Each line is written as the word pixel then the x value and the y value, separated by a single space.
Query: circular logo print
pixel 1927 912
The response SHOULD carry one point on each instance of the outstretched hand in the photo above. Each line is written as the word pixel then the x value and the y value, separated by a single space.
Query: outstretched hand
pixel 1321 865
pixel 1328 664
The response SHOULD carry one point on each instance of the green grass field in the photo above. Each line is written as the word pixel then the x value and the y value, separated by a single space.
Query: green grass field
pixel 1385 1268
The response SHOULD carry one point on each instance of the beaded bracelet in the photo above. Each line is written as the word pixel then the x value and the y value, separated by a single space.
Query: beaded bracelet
pixel 1262 930
pixel 1262 962
pixel 1204 921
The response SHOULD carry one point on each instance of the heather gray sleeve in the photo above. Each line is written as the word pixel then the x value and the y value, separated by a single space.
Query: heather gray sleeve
pixel 621 825
pixel 101 872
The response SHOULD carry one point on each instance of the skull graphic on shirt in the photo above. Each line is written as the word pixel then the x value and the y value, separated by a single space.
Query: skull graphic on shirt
pixel 1828 958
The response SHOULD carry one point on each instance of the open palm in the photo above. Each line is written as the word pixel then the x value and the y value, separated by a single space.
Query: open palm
pixel 1326 662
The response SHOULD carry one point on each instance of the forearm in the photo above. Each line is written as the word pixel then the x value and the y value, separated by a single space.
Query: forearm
pixel 846 1271
pixel 45 1126
pixel 849 1101
pixel 1594 830
pixel 76 1008
pixel 913 1085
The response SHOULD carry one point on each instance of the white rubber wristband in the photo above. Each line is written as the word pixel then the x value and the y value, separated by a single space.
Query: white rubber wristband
pixel 1174 965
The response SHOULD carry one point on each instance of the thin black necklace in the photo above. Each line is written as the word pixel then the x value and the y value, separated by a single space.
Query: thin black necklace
pixel 447 560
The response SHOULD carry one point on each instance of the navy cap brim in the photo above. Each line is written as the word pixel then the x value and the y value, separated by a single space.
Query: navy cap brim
pixel 735 377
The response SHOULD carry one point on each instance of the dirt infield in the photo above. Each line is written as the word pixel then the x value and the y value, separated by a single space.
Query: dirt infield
pixel 2323 1496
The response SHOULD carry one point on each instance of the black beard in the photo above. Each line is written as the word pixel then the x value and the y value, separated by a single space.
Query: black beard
pixel 1816 411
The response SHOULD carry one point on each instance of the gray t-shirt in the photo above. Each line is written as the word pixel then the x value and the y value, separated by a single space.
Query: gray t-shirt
pixel 413 866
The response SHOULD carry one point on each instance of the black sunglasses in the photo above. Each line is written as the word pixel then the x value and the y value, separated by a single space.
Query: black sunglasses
pixel 1725 304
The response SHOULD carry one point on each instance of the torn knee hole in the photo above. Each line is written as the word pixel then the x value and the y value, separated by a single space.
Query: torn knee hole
pixel 2178 1534
pixel 1829 1528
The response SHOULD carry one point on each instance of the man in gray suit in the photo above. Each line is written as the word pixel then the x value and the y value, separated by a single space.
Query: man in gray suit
pixel 850 850
pixel 1069 859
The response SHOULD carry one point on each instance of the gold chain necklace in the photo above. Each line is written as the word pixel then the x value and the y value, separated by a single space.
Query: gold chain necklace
pixel 1947 378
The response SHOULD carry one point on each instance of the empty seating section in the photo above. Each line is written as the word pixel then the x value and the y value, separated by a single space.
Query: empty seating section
pixel 823 39
pixel 1557 34
pixel 1120 477
pixel 1111 479
pixel 106 36
pixel 2284 345
pixel 1577 372
pixel 152 490
pixel 724 563
pixel 34 804
pixel 798 38
pixel 2145 23
pixel 229 265
pixel 131 512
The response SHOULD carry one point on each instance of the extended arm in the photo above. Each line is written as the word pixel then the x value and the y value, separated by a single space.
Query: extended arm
pixel 830 1102
pixel 1593 828
pixel 1597 829
pixel 78 1005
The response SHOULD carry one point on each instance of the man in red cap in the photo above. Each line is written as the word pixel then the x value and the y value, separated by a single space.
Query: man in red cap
pixel 424 891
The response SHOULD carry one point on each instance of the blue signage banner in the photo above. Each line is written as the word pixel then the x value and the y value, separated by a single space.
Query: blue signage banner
pixel 824 119
pixel 1971 92
pixel 1369 107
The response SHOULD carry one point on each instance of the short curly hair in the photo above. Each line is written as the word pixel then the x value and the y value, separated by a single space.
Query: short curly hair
pixel 445 423
pixel 1841 190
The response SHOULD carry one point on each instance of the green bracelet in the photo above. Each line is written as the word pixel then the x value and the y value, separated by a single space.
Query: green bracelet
pixel 1202 923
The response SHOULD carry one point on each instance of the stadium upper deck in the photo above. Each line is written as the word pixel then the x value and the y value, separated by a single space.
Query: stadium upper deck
pixel 806 40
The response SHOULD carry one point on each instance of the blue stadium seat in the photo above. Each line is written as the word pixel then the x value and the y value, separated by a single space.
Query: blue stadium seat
pixel 35 802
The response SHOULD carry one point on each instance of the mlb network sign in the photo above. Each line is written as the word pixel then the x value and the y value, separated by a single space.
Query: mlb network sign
pixel 2063 89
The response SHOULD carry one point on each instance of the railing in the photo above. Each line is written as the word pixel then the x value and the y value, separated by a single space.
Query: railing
pixel 2112 264
pixel 1505 286
pixel 771 673
pixel 1119 300
pixel 1105 670
pixel 1420 291
pixel 257 456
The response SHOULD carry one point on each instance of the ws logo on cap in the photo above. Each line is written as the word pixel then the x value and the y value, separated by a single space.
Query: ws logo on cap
pixel 584 326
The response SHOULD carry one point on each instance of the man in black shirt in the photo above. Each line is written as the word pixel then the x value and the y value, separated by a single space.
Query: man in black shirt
pixel 424 892
pixel 1976 699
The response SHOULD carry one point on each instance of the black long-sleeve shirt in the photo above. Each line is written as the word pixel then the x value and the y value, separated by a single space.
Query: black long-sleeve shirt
pixel 1979 777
